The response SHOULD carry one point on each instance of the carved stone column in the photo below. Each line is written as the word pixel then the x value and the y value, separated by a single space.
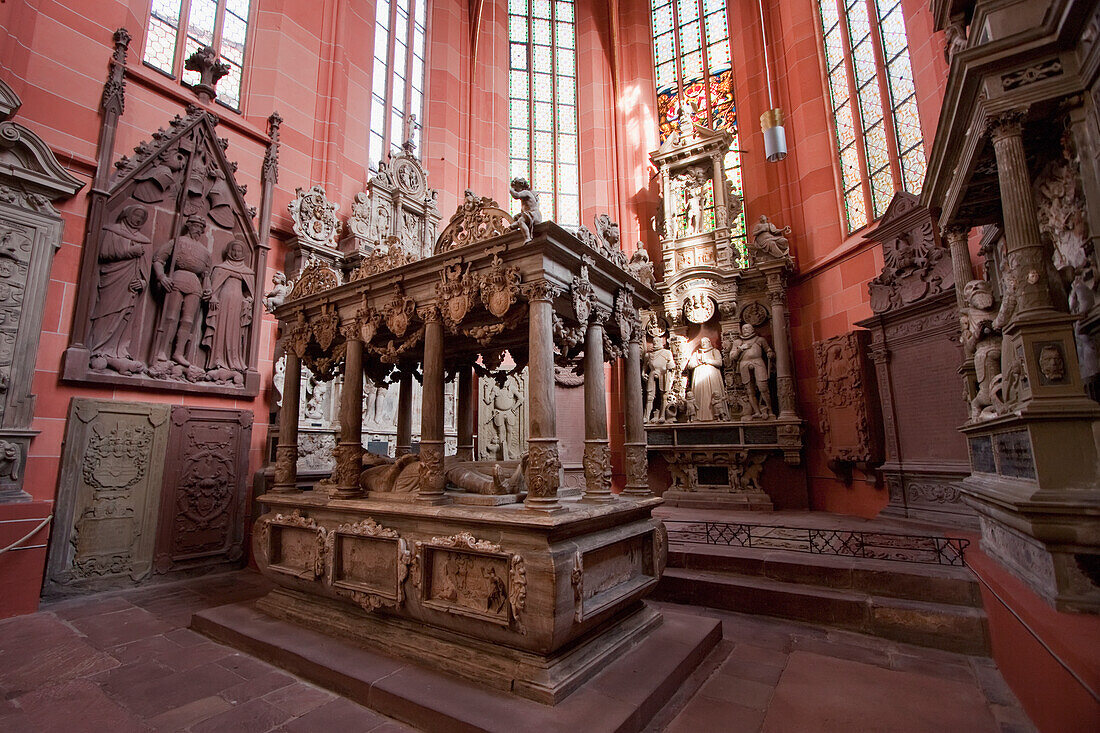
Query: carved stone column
pixel 963 269
pixel 286 450
pixel 465 414
pixel 784 380
pixel 349 452
pixel 1023 248
pixel 597 451
pixel 404 414
pixel 432 481
pixel 543 463
pixel 634 447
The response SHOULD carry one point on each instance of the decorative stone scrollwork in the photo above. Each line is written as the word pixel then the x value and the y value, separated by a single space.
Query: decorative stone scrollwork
pixel 566 337
pixel 583 295
pixel 475 220
pixel 314 217
pixel 313 564
pixel 597 466
pixel 499 287
pixel 543 467
pixel 368 320
pixel 399 311
pixel 381 260
pixel 325 328
pixel 457 294
pixel 636 464
pixel 431 468
pixel 316 277
pixel 627 317
pixel 298 336
pixel 576 578
pixel 367 600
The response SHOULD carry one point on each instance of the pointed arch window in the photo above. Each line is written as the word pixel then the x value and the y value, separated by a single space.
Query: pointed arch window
pixel 542 104
pixel 691 53
pixel 397 81
pixel 873 102
pixel 222 24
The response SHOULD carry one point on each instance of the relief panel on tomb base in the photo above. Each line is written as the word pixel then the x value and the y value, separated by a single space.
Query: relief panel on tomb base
pixel 203 501
pixel 111 474
pixel 172 271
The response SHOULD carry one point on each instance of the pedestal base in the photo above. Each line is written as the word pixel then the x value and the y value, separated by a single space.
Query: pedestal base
pixel 625 693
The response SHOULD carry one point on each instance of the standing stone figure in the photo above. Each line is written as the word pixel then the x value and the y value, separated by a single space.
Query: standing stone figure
pixel 768 239
pixel 529 214
pixel 182 268
pixel 753 357
pixel 982 341
pixel 123 275
pixel 230 311
pixel 641 266
pixel 659 366
pixel 503 402
pixel 705 364
pixel 694 191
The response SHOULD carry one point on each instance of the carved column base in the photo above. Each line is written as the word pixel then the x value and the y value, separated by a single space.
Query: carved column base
pixel 543 475
pixel 286 469
pixel 433 483
pixel 785 388
pixel 465 453
pixel 349 461
pixel 637 469
pixel 597 472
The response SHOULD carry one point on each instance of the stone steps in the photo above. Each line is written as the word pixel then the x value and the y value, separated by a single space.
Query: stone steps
pixel 927 605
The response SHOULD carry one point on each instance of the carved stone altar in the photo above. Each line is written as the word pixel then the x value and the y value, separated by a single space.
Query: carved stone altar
pixel 719 382
pixel 437 557
pixel 916 350
pixel 30 232
pixel 172 263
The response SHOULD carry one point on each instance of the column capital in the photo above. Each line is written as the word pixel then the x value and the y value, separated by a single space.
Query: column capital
pixel 777 293
pixel 540 290
pixel 600 315
pixel 955 232
pixel 429 313
pixel 1006 124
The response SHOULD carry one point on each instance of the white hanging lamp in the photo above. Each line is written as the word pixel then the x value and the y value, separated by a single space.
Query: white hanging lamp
pixel 771 122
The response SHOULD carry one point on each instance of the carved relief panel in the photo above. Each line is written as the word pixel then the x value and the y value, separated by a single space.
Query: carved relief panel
pixel 502 418
pixel 848 414
pixel 203 502
pixel 917 265
pixel 111 473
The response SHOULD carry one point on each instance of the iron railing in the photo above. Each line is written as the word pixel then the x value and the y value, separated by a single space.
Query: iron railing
pixel 913 548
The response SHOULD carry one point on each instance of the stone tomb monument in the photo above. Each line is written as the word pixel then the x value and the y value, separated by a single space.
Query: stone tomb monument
pixel 400 554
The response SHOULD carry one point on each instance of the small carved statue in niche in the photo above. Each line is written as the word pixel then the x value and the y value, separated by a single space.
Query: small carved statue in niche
pixel 503 401
pixel 123 275
pixel 752 357
pixel 769 240
pixel 280 289
pixel 705 364
pixel 687 124
pixel 230 313
pixel 641 267
pixel 981 341
pixel 659 367
pixel 10 457
pixel 529 214
pixel 182 268
pixel 719 406
pixel 695 183
pixel 1052 365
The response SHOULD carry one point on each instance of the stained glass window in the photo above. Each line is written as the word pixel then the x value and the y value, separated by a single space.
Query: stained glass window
pixel 397 81
pixel 542 102
pixel 871 94
pixel 222 24
pixel 691 52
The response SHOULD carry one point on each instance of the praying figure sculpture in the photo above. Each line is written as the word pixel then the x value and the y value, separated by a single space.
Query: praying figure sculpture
pixel 123 276
pixel 659 366
pixel 753 357
pixel 769 240
pixel 182 268
pixel 230 312
pixel 529 214
pixel 705 364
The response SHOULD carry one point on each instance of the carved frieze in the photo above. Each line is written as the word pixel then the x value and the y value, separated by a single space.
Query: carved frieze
pixel 848 414
pixel 110 489
pixel 203 501
pixel 293 544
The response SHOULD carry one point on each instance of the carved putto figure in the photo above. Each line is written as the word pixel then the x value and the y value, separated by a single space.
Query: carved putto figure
pixel 659 371
pixel 182 269
pixel 752 357
pixel 123 276
pixel 641 267
pixel 983 342
pixel 529 214
pixel 280 289
pixel 229 314
pixel 769 240
pixel 705 364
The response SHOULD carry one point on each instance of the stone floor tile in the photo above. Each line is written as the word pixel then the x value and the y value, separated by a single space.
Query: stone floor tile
pixel 74 608
pixel 107 630
pixel 842 650
pixel 748 670
pixel 340 714
pixel 759 655
pixel 38 650
pixel 714 716
pixel 246 666
pixel 1011 718
pixel 299 698
pixel 257 687
pixel 959 671
pixel 743 692
pixel 150 698
pixel 120 679
pixel 189 714
pixel 151 649
pixel 77 705
pixel 254 716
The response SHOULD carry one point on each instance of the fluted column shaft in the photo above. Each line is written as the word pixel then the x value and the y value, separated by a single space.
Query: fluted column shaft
pixel 597 451
pixel 784 379
pixel 961 266
pixel 634 447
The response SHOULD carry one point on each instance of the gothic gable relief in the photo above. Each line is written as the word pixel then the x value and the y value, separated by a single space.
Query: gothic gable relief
pixel 171 276
pixel 848 414
pixel 918 266
pixel 204 496
pixel 30 233
pixel 105 518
